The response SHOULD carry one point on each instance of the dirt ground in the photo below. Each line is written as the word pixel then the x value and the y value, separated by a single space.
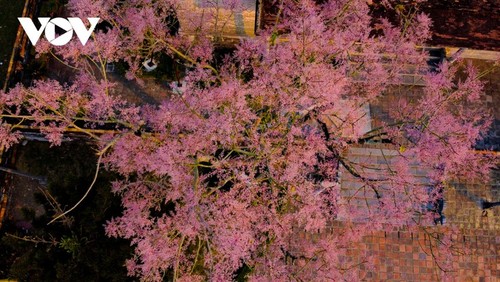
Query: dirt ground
pixel 21 197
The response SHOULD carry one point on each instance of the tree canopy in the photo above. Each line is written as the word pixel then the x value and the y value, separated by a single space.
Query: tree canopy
pixel 226 174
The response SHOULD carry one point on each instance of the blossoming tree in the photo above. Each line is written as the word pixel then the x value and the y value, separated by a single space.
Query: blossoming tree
pixel 233 171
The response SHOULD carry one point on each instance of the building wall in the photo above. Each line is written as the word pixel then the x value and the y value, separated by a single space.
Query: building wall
pixel 218 19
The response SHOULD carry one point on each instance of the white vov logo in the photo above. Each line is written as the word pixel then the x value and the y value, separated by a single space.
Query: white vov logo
pixel 49 25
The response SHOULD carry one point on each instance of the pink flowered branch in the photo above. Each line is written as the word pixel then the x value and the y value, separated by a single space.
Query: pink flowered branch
pixel 252 154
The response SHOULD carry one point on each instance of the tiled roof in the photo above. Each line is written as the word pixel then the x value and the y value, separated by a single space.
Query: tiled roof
pixel 462 23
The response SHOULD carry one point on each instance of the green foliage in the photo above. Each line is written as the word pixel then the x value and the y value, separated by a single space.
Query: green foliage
pixel 71 245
